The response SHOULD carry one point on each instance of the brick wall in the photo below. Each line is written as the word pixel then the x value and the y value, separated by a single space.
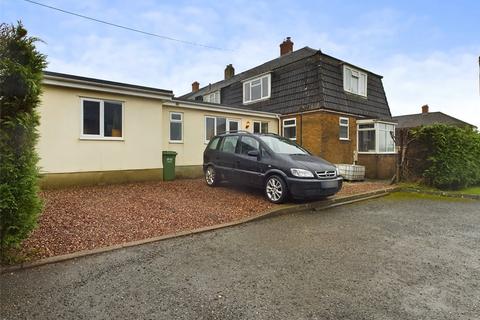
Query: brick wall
pixel 319 133
pixel 378 166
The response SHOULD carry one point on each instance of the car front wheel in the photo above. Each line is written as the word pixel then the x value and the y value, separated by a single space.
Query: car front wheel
pixel 211 176
pixel 275 189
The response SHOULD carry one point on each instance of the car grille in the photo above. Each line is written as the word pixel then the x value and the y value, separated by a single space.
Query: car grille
pixel 326 174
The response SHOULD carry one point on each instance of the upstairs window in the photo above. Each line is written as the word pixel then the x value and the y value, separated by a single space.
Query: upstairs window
pixel 102 119
pixel 290 128
pixel 257 89
pixel 354 81
pixel 213 97
pixel 343 134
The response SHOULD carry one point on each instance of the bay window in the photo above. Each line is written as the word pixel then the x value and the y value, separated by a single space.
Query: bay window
pixel 375 137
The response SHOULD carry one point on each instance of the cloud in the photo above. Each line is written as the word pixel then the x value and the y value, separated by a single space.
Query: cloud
pixel 446 81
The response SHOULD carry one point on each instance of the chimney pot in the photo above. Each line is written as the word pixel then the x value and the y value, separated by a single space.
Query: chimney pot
pixel 195 86
pixel 286 46
pixel 425 108
pixel 229 71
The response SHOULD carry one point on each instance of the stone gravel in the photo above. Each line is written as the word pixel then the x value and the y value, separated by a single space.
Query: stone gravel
pixel 83 218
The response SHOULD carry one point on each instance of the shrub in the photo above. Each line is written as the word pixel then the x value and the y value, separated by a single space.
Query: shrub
pixel 453 160
pixel 21 69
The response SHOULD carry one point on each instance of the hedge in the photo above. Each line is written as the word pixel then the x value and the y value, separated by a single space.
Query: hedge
pixel 453 160
pixel 21 70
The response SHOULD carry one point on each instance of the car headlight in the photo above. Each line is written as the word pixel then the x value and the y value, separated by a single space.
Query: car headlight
pixel 301 173
pixel 337 171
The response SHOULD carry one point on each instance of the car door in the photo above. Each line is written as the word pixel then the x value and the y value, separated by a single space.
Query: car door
pixel 227 157
pixel 248 166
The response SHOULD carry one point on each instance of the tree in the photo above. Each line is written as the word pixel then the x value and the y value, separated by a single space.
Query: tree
pixel 21 71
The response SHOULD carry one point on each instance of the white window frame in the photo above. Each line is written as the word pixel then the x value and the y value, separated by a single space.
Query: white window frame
pixel 101 135
pixel 289 126
pixel 260 126
pixel 377 130
pixel 212 97
pixel 347 83
pixel 227 125
pixel 176 121
pixel 249 83
pixel 344 125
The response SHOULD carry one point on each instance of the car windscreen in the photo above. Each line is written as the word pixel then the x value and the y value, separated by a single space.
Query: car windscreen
pixel 282 145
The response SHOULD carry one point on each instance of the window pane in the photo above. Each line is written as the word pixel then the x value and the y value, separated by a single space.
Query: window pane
pixel 264 87
pixel 362 85
pixel 264 127
pixel 256 127
pixel 256 92
pixel 382 141
pixel 233 126
pixel 290 132
pixel 175 116
pixel 210 128
pixel 366 126
pixel 366 141
pixel 343 132
pixel 229 144
pixel 289 122
pixel 246 92
pixel 390 143
pixel 175 131
pixel 354 84
pixel 248 144
pixel 221 125
pixel 217 97
pixel 112 120
pixel 344 121
pixel 91 117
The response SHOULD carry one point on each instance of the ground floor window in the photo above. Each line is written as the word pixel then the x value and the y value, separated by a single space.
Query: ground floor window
pixel 260 127
pixel 375 137
pixel 343 133
pixel 219 125
pixel 290 128
pixel 176 127
pixel 102 119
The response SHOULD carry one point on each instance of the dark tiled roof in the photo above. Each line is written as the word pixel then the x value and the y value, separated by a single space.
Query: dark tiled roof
pixel 106 82
pixel 303 80
pixel 425 119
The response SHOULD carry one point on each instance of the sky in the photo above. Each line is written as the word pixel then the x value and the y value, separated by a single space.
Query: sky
pixel 427 51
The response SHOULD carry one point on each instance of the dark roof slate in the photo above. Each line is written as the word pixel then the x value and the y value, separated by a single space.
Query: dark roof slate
pixel 425 119
pixel 304 80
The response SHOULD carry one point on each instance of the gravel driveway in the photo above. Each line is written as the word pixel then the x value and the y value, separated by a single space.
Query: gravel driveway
pixel 390 258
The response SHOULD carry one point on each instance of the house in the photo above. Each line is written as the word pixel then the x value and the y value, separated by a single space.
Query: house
pixel 96 131
pixel 333 108
pixel 426 118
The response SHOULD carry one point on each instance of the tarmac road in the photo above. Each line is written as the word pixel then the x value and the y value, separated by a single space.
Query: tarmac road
pixel 390 258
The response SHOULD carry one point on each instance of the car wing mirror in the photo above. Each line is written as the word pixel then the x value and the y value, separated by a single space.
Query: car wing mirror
pixel 254 153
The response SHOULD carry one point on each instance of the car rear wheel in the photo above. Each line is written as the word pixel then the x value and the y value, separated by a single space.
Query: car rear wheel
pixel 211 176
pixel 276 189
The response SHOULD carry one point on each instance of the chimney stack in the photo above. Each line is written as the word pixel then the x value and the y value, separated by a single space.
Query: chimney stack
pixel 286 46
pixel 229 71
pixel 425 108
pixel 195 86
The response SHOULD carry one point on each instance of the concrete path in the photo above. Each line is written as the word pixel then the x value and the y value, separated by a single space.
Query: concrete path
pixel 390 258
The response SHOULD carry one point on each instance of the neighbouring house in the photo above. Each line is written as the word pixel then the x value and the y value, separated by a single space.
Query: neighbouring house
pixel 97 131
pixel 426 118
pixel 333 108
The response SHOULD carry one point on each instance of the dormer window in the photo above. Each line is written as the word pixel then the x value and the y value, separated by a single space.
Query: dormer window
pixel 354 81
pixel 213 97
pixel 256 89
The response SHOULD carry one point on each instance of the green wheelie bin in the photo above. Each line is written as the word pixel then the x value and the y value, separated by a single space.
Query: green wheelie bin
pixel 168 158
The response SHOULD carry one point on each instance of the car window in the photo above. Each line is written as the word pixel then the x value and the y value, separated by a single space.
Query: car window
pixel 229 144
pixel 282 145
pixel 214 143
pixel 248 144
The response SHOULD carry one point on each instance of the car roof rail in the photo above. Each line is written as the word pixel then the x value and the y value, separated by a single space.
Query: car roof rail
pixel 238 131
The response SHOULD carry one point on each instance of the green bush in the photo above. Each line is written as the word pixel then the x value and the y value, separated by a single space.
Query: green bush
pixel 453 160
pixel 21 70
